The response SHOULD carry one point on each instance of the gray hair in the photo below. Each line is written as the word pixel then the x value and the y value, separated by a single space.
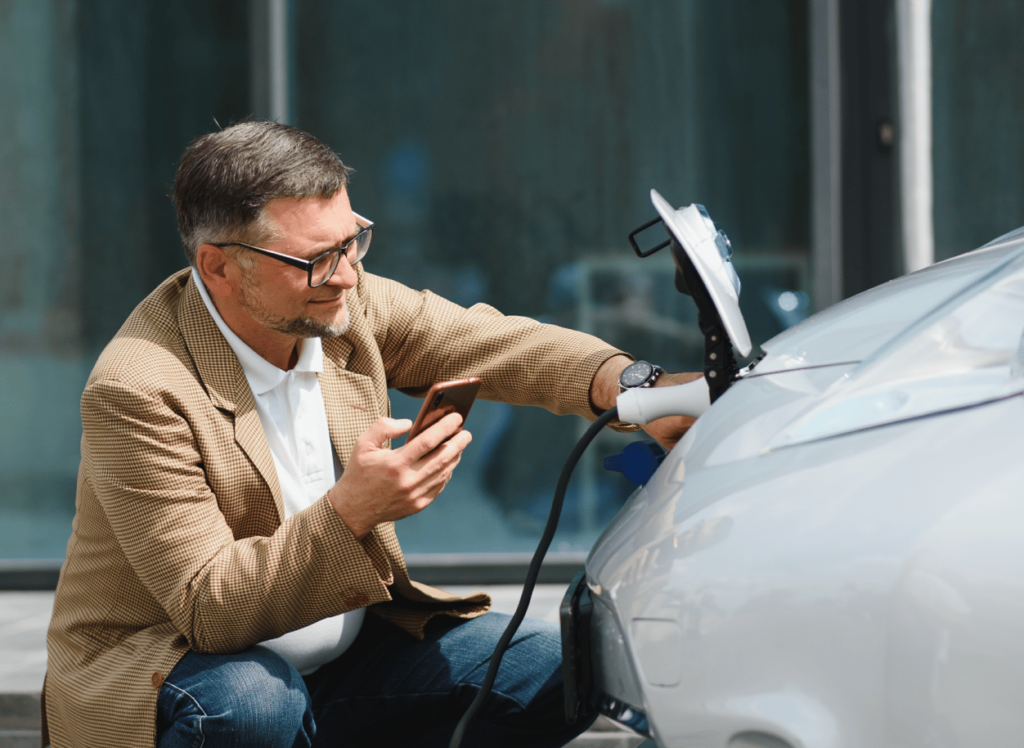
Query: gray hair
pixel 226 178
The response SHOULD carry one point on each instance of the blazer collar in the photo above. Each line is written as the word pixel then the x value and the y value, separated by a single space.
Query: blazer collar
pixel 218 367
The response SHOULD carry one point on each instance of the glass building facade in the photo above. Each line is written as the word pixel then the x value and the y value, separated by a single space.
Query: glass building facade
pixel 505 149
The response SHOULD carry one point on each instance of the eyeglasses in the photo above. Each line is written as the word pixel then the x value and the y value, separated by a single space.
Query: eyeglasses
pixel 320 269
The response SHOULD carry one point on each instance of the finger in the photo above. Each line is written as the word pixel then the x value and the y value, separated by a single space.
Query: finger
pixel 429 439
pixel 440 482
pixel 444 485
pixel 436 471
pixel 460 441
pixel 445 472
pixel 683 377
pixel 445 454
pixel 384 429
pixel 668 431
pixel 449 463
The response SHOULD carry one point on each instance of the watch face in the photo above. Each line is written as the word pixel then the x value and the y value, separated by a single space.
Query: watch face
pixel 636 374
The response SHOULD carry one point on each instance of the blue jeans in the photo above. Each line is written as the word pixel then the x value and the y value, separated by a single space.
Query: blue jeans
pixel 387 690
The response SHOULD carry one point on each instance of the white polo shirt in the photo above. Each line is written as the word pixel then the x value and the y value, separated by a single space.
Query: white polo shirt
pixel 291 409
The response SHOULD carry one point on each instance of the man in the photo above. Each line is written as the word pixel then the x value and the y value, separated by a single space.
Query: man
pixel 237 487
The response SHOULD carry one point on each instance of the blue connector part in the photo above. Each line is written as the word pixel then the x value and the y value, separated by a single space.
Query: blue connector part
pixel 637 461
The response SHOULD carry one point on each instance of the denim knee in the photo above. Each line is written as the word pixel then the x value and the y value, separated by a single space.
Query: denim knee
pixel 254 698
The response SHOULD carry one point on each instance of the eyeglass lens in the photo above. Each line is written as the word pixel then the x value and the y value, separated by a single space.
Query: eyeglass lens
pixel 354 251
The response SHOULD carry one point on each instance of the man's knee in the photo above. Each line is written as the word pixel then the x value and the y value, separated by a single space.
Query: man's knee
pixel 254 698
pixel 540 645
pixel 531 668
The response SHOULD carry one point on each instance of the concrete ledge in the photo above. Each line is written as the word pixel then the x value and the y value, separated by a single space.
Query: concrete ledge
pixel 19 738
pixel 29 573
pixel 606 734
pixel 491 568
pixel 429 568
pixel 19 711
pixel 592 739
pixel 19 720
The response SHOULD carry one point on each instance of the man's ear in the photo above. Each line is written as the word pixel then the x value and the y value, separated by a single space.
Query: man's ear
pixel 217 270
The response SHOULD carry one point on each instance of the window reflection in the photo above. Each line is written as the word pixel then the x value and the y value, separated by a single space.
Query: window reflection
pixel 507 147
pixel 510 147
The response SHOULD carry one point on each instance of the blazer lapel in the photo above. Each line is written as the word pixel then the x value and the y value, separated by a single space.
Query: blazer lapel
pixel 348 397
pixel 224 380
pixel 354 383
pixel 354 389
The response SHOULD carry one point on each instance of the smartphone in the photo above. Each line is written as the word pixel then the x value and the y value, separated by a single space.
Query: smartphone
pixel 456 396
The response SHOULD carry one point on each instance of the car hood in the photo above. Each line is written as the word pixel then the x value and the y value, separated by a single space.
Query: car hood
pixel 946 338
pixel 852 330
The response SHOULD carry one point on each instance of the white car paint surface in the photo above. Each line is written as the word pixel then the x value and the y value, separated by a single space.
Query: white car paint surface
pixel 862 585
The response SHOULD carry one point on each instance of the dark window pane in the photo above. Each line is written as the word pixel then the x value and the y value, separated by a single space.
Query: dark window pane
pixel 507 148
pixel 978 154
pixel 100 99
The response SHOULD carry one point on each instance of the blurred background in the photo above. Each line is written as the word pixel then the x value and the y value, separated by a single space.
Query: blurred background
pixel 505 149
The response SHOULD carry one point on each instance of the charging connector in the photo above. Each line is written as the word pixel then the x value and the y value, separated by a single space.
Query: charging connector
pixel 641 405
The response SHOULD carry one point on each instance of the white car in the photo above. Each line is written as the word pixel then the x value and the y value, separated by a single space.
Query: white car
pixel 833 557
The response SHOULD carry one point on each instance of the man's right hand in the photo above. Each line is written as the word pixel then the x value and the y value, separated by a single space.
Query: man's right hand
pixel 381 484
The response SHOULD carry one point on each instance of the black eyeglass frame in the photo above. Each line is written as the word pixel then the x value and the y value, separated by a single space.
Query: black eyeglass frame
pixel 308 265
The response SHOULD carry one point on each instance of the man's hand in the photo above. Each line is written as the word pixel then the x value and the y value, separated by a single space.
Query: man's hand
pixel 381 484
pixel 605 389
pixel 669 430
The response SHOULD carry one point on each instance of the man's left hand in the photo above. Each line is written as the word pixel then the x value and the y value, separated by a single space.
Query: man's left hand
pixel 669 430
pixel 605 389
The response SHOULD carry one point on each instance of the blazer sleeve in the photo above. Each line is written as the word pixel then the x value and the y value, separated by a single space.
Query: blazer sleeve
pixel 424 339
pixel 152 464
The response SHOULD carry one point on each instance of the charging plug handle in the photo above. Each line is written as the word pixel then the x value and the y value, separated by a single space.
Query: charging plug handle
pixel 641 405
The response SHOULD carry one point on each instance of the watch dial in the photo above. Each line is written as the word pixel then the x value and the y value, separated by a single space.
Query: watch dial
pixel 636 374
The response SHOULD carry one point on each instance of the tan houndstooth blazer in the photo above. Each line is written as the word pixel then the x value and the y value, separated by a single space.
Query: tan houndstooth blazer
pixel 179 539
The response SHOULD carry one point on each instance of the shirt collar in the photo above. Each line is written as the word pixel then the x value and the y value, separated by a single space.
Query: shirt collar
pixel 262 375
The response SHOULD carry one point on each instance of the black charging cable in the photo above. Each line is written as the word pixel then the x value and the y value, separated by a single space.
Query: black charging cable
pixel 532 573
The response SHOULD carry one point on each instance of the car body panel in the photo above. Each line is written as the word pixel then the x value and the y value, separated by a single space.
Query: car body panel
pixel 865 589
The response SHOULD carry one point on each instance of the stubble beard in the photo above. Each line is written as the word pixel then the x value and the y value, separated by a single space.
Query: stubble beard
pixel 300 327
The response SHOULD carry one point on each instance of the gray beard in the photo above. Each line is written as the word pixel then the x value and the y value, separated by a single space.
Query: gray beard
pixel 306 327
pixel 300 327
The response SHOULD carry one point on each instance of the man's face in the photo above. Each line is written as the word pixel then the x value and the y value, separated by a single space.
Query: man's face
pixel 278 296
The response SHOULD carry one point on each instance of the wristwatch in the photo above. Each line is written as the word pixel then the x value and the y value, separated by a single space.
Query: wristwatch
pixel 639 374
